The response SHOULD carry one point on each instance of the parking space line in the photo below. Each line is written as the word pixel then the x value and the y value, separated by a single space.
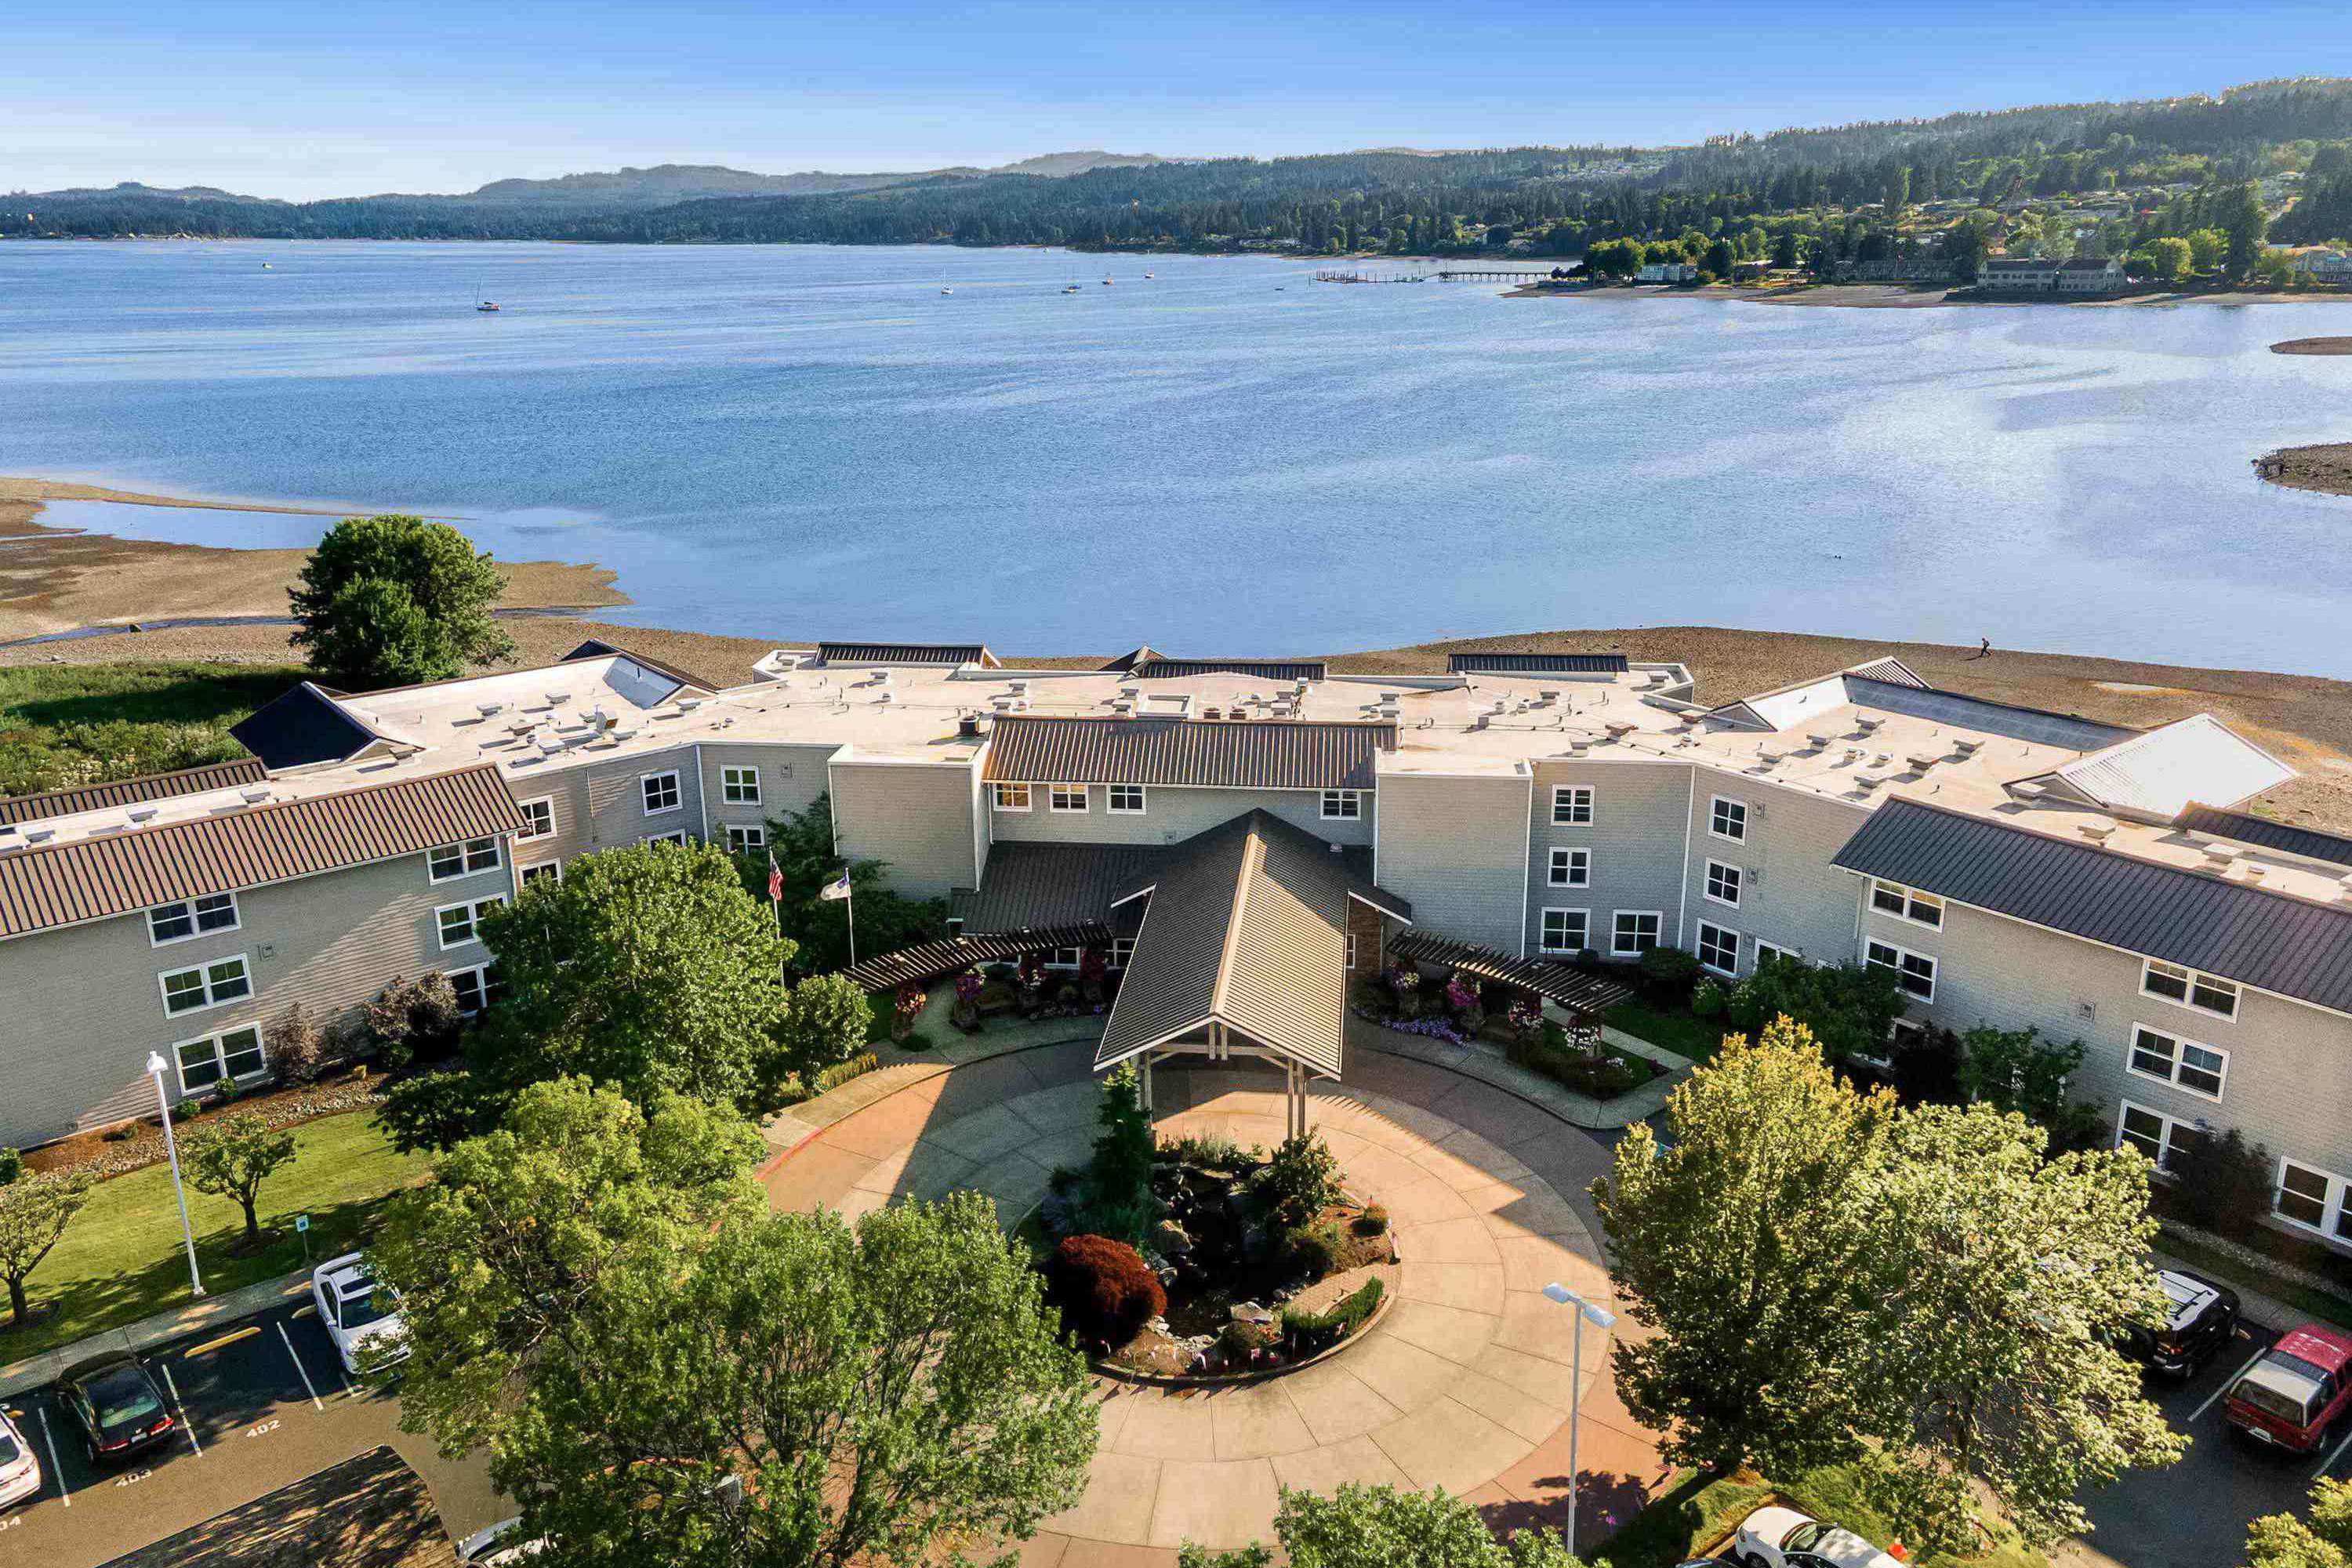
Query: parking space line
pixel 2328 1463
pixel 2230 1382
pixel 210 1345
pixel 300 1367
pixel 182 1406
pixel 306 1309
pixel 65 1493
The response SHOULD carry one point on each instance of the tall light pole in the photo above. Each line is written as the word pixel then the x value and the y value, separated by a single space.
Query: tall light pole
pixel 1600 1317
pixel 155 1064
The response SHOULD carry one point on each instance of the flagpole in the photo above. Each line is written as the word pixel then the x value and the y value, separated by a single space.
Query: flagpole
pixel 849 902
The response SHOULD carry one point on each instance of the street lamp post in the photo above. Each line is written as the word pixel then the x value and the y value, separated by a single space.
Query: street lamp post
pixel 1600 1317
pixel 155 1070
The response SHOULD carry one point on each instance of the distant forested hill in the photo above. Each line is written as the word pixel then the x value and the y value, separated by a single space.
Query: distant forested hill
pixel 1789 193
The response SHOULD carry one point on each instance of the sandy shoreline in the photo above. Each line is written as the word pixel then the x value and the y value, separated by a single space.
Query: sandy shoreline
pixel 2313 346
pixel 2326 469
pixel 57 579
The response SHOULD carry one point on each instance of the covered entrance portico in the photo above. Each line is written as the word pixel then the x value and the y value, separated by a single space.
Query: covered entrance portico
pixel 1241 952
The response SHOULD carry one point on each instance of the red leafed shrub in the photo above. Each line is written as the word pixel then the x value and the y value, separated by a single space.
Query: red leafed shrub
pixel 1104 1288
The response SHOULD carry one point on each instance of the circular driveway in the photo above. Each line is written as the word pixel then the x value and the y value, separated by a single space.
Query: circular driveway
pixel 1465 1384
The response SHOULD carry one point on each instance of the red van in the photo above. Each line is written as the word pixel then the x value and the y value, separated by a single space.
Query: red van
pixel 2291 1397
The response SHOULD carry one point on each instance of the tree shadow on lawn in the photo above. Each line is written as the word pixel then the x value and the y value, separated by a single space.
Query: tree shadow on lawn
pixel 91 1307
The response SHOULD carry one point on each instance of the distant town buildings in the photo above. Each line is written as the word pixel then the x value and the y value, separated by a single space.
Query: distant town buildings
pixel 1667 272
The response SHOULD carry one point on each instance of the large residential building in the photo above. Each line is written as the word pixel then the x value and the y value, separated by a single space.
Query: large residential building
pixel 2024 275
pixel 1240 835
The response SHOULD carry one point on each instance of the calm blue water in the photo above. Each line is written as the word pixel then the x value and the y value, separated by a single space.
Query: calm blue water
pixel 809 441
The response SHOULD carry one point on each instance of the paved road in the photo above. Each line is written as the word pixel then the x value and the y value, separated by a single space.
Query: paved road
pixel 264 1403
pixel 2194 1515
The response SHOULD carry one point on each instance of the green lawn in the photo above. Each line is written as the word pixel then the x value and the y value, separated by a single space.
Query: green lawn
pixel 85 723
pixel 121 1260
pixel 1672 1027
pixel 1697 1511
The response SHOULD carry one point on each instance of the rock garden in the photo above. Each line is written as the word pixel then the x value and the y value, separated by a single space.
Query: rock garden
pixel 1198 1259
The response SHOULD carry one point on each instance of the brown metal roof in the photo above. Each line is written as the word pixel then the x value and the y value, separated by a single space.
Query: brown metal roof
pixel 93 879
pixel 1248 755
pixel 1037 887
pixel 1246 926
pixel 1160 667
pixel 931 960
pixel 1577 992
pixel 947 653
pixel 130 792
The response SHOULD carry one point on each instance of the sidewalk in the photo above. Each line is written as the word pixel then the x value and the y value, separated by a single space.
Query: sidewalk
pixel 23 1376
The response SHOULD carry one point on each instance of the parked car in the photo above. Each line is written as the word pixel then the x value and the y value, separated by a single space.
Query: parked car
pixel 496 1547
pixel 2201 1317
pixel 116 1404
pixel 2300 1388
pixel 1782 1538
pixel 360 1315
pixel 20 1472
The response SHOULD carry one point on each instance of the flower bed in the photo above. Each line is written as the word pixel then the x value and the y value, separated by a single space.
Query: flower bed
pixel 1232 1267
pixel 111 1155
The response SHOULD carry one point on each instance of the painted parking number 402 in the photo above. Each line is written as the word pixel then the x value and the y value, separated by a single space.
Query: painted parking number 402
pixel 261 1431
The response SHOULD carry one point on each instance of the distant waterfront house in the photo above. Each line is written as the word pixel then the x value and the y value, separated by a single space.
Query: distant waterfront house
pixel 1667 272
pixel 2325 266
pixel 2024 275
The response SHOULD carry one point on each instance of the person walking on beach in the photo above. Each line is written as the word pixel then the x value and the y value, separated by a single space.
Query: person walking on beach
pixel 1984 648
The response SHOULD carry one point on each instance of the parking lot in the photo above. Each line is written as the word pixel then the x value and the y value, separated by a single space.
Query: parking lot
pixel 2194 1515
pixel 261 1402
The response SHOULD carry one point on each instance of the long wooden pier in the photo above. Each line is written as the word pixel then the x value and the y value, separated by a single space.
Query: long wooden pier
pixel 1481 275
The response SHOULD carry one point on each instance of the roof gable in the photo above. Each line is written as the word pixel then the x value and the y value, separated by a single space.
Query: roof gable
pixel 2160 772
pixel 302 727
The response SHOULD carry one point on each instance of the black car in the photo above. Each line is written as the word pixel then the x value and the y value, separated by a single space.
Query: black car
pixel 2202 1316
pixel 118 1406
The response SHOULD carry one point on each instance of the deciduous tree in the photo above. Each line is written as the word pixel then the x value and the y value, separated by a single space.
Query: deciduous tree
pixel 664 1372
pixel 802 845
pixel 1360 1526
pixel 2282 1541
pixel 231 1159
pixel 1996 1270
pixel 34 1210
pixel 393 599
pixel 1740 1244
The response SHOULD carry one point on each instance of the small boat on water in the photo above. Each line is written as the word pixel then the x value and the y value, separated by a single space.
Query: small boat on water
pixel 947 290
pixel 1070 289
pixel 485 306
pixel 1150 276
pixel 1105 282
pixel 265 266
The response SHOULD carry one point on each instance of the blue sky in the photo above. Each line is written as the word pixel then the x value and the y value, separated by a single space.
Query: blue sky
pixel 330 100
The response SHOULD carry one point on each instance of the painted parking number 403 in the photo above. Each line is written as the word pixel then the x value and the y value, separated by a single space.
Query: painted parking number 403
pixel 133 1479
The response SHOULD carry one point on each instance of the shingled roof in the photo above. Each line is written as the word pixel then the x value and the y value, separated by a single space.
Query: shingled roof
pixel 132 791
pixel 248 847
pixel 1249 754
pixel 1247 927
pixel 2261 938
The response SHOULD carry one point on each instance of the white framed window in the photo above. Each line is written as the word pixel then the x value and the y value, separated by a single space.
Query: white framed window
pixel 178 922
pixel 1011 796
pixel 1907 904
pixel 739 787
pixel 451 861
pixel 1572 868
pixel 1765 949
pixel 231 1053
pixel 2313 1199
pixel 204 985
pixel 1122 948
pixel 477 987
pixel 1572 806
pixel 1727 818
pixel 1723 883
pixel 2153 1133
pixel 2189 988
pixel 456 922
pixel 744 838
pixel 537 819
pixel 660 792
pixel 1350 961
pixel 676 836
pixel 1634 932
pixel 1566 930
pixel 1065 958
pixel 550 870
pixel 1124 800
pixel 1913 971
pixel 2186 1064
pixel 1718 948
pixel 1065 797
pixel 1343 804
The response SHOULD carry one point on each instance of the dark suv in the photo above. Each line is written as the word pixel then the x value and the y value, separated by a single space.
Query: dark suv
pixel 2201 1316
pixel 117 1406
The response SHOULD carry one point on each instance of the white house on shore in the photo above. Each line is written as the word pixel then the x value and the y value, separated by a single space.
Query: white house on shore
pixel 2026 274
